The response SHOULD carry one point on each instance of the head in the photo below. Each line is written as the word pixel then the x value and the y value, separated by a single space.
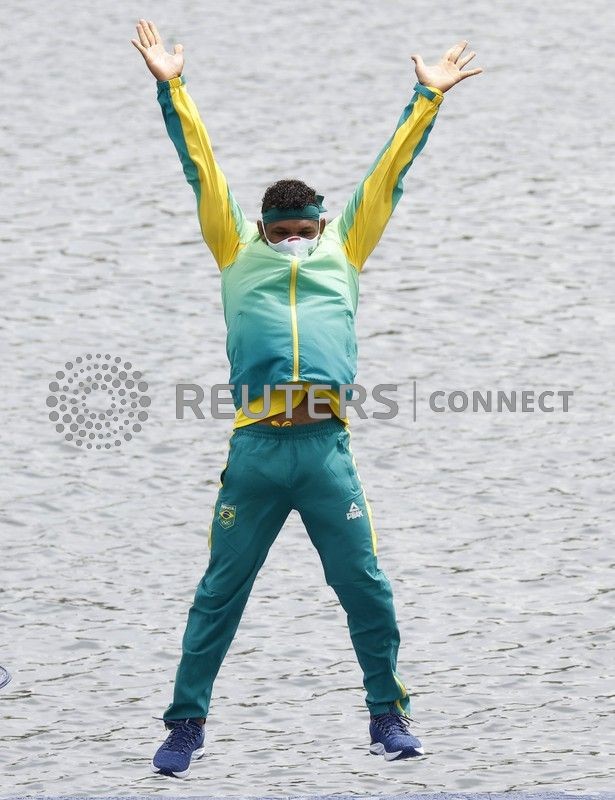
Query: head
pixel 286 197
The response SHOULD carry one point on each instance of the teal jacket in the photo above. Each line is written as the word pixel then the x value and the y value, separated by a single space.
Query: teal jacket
pixel 291 320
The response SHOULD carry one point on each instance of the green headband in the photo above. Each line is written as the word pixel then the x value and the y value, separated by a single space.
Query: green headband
pixel 309 211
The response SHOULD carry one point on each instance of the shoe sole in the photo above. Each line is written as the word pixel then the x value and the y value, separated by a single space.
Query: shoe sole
pixel 377 749
pixel 184 774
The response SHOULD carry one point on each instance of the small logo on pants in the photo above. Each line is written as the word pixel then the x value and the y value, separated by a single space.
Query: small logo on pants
pixel 226 515
pixel 354 511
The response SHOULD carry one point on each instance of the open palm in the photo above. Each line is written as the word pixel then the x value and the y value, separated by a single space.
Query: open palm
pixel 448 71
pixel 161 64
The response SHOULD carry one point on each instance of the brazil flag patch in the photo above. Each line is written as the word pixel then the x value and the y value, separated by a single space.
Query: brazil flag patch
pixel 226 515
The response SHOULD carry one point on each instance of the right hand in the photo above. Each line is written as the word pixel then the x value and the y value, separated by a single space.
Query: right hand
pixel 161 64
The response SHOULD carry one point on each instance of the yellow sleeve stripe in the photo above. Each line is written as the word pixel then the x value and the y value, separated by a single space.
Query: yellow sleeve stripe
pixel 220 218
pixel 380 191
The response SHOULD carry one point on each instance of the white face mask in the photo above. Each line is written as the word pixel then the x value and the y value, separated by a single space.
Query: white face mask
pixel 297 246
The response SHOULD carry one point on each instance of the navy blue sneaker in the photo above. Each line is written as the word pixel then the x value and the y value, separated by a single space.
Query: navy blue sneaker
pixel 391 737
pixel 184 742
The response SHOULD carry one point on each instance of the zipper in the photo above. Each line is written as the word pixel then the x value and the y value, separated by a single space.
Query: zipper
pixel 294 268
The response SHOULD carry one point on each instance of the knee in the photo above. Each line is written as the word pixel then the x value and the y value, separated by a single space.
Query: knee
pixel 363 571
pixel 216 589
pixel 364 590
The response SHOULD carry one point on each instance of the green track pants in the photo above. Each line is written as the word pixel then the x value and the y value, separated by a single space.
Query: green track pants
pixel 269 472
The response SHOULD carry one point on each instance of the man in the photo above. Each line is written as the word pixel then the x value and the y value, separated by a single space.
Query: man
pixel 290 286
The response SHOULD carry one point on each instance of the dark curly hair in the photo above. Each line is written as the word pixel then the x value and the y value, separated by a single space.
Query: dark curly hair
pixel 288 193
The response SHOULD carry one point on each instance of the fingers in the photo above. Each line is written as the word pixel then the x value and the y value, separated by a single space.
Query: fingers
pixel 179 48
pixel 418 60
pixel 142 37
pixel 145 34
pixel 466 59
pixel 139 46
pixel 458 50
pixel 454 52
pixel 155 33
pixel 470 72
pixel 148 33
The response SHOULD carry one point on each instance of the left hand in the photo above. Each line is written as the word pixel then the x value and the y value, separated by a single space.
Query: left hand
pixel 448 71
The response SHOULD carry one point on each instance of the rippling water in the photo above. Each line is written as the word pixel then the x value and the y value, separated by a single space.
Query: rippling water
pixel 495 273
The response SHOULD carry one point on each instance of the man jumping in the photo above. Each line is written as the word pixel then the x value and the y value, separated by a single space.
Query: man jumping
pixel 290 287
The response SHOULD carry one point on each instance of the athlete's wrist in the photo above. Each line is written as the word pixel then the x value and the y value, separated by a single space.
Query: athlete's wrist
pixel 428 90
pixel 171 83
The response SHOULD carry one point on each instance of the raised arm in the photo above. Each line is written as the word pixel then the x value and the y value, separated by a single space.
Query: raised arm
pixel 223 223
pixel 366 214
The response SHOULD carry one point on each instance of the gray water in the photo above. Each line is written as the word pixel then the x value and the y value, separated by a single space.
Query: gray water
pixel 496 272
